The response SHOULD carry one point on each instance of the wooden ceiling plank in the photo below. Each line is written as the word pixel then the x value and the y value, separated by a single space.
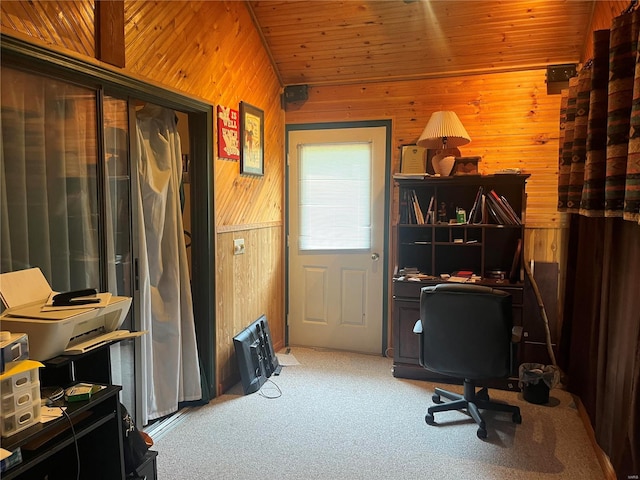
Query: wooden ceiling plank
pixel 328 42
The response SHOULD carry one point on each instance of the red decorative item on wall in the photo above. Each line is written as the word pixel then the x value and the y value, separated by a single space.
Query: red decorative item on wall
pixel 228 128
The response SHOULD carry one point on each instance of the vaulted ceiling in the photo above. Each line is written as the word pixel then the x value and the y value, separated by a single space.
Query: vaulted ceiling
pixel 324 42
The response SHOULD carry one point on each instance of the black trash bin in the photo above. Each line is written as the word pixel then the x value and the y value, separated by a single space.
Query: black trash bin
pixel 536 380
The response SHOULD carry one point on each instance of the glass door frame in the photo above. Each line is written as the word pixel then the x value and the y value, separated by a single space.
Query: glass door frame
pixel 17 53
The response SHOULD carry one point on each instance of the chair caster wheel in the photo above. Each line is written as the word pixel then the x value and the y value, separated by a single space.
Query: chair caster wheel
pixel 516 418
pixel 429 419
pixel 482 433
pixel 436 398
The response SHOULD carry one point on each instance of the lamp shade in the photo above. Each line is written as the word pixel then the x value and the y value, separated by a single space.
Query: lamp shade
pixel 443 125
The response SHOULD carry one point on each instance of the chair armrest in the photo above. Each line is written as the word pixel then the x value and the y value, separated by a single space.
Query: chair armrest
pixel 516 334
pixel 417 328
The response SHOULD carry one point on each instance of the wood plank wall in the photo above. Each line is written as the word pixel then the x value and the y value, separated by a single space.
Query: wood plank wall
pixel 509 116
pixel 512 122
pixel 603 13
pixel 222 61
pixel 60 24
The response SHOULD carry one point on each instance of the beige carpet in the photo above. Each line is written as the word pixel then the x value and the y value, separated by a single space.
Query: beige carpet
pixel 340 415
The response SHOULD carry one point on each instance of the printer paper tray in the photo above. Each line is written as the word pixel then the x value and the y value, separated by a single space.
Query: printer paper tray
pixel 100 340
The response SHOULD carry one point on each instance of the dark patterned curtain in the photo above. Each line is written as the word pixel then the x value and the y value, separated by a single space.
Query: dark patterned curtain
pixel 592 201
pixel 599 179
pixel 599 158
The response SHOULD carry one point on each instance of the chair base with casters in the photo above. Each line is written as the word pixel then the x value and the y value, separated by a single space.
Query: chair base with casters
pixel 471 401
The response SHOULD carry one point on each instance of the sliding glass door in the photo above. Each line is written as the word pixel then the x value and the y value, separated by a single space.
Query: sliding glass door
pixel 49 183
pixel 65 192
pixel 119 240
pixel 69 191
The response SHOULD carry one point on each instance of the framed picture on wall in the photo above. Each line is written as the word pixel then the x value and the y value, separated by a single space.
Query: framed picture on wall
pixel 228 127
pixel 251 139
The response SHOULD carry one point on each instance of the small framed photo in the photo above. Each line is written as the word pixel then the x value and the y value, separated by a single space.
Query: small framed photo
pixel 413 159
pixel 251 139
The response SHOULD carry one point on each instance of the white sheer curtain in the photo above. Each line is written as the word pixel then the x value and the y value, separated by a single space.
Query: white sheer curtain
pixel 170 356
pixel 48 179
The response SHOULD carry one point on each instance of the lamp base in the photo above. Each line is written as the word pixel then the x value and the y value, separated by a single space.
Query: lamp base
pixel 444 160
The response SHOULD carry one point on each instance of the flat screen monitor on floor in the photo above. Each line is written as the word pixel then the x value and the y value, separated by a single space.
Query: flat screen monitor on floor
pixel 255 356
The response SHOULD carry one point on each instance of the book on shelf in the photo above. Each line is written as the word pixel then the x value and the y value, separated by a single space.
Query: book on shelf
pixel 463 273
pixel 492 212
pixel 415 213
pixel 498 209
pixel 410 176
pixel 463 276
pixel 501 210
pixel 430 216
pixel 475 214
pixel 511 211
pixel 417 209
pixel 485 212
pixel 407 211
pixel 404 207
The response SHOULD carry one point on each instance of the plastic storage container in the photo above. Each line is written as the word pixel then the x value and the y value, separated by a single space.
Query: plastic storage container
pixel 20 419
pixel 20 397
pixel 23 378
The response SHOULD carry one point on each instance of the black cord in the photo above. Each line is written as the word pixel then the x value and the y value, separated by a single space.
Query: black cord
pixel 75 440
pixel 271 397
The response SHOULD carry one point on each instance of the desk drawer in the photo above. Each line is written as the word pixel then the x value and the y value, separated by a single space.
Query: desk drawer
pixel 408 289
pixel 516 294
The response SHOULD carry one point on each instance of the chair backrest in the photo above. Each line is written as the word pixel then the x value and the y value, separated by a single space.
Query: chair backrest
pixel 466 331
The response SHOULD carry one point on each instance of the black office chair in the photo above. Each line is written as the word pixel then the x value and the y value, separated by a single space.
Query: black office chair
pixel 466 333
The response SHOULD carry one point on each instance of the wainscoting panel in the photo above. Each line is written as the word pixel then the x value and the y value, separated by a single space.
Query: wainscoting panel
pixel 248 285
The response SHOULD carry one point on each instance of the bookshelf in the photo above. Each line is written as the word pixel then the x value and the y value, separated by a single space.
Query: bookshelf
pixel 474 231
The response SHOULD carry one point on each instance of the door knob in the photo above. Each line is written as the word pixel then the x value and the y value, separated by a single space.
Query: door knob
pixel 375 256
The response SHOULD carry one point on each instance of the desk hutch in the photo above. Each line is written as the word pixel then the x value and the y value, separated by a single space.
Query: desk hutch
pixel 489 247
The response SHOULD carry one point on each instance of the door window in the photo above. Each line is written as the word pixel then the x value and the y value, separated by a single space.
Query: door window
pixel 334 199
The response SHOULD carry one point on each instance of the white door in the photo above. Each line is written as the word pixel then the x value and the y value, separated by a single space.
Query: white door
pixel 336 238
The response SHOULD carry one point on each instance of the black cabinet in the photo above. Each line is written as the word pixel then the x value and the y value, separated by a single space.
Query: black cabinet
pixel 55 450
pixel 431 245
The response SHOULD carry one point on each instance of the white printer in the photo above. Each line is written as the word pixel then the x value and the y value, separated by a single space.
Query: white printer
pixel 54 331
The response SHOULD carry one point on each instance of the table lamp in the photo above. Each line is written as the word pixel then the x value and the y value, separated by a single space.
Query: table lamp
pixel 444 132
